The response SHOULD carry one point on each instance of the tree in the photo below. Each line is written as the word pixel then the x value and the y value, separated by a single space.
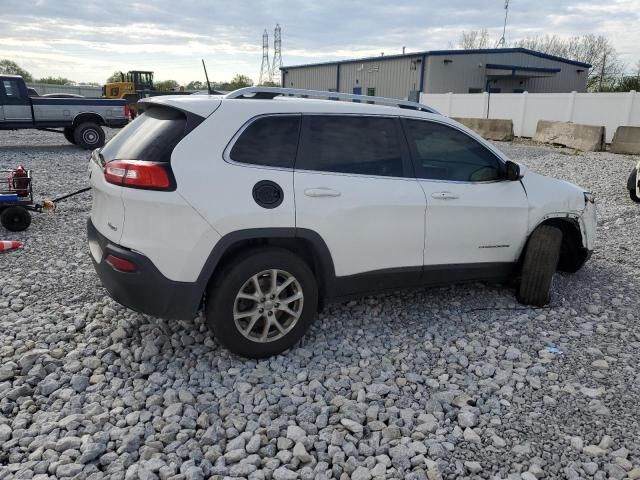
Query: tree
pixel 9 67
pixel 270 84
pixel 595 50
pixel 239 81
pixel 166 85
pixel 54 80
pixel 196 85
pixel 474 39
pixel 115 77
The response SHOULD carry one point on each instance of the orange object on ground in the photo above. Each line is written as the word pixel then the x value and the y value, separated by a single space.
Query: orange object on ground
pixel 6 245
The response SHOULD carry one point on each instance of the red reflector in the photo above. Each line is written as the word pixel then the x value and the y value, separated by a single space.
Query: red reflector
pixel 138 174
pixel 121 264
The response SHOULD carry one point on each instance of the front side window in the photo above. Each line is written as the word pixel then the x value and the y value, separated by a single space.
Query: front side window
pixel 444 153
pixel 269 141
pixel 351 144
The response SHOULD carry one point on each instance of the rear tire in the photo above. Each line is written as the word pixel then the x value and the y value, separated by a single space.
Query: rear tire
pixel 68 134
pixel 89 135
pixel 540 264
pixel 15 219
pixel 631 184
pixel 233 295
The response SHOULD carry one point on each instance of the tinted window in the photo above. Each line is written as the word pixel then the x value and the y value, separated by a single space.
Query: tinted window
pixel 151 136
pixel 11 89
pixel 444 153
pixel 351 144
pixel 271 141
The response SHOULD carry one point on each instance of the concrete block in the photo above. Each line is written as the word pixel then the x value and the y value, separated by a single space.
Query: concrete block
pixel 626 140
pixel 490 128
pixel 588 138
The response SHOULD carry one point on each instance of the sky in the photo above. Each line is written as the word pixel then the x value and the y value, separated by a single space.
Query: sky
pixel 87 40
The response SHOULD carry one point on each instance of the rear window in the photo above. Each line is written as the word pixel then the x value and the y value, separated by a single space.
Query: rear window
pixel 151 136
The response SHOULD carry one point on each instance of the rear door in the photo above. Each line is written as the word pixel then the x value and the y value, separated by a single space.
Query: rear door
pixel 474 215
pixel 355 188
pixel 15 100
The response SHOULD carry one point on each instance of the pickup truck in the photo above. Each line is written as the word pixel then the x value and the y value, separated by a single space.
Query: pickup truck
pixel 81 119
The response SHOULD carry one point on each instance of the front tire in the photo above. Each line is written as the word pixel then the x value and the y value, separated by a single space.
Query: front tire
pixel 89 135
pixel 540 264
pixel 15 219
pixel 262 303
pixel 632 182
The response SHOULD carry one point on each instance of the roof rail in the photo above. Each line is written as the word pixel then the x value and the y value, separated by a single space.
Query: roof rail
pixel 268 93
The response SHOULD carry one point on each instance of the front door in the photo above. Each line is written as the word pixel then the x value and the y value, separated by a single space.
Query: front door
pixel 354 187
pixel 15 100
pixel 474 215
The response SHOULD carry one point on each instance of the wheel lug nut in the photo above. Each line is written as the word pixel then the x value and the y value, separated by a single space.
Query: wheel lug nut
pixel 270 313
pixel 272 297
pixel 261 310
pixel 277 305
pixel 262 300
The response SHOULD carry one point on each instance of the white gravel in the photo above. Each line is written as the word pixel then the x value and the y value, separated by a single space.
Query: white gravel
pixel 439 383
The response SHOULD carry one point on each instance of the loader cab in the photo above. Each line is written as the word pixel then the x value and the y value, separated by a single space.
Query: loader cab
pixel 142 80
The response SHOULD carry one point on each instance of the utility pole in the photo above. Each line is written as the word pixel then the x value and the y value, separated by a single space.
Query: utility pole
pixel 604 62
pixel 265 69
pixel 503 40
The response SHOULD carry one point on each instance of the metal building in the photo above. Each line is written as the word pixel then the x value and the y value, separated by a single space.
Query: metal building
pixel 499 70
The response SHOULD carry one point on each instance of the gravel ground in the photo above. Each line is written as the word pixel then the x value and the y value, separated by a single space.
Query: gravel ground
pixel 438 383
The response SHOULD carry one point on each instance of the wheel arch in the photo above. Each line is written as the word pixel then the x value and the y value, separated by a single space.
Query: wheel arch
pixel 88 117
pixel 306 244
pixel 573 252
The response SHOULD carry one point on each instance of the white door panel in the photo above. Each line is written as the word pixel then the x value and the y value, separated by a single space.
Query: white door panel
pixel 474 222
pixel 368 223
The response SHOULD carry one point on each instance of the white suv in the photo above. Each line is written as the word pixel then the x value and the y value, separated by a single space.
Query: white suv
pixel 263 206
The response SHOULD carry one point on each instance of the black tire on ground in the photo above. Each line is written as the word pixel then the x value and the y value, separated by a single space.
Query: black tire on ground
pixel 631 185
pixel 540 264
pixel 223 293
pixel 15 219
pixel 89 135
pixel 68 134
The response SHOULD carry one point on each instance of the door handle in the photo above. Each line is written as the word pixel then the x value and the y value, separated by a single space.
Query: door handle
pixel 444 195
pixel 321 192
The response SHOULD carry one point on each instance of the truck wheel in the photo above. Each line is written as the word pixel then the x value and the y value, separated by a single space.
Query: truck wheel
pixel 15 219
pixel 68 134
pixel 89 135
pixel 540 264
pixel 632 182
pixel 263 303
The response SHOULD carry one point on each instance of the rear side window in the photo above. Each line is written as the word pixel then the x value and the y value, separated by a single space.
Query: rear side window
pixel 351 144
pixel 269 141
pixel 152 136
pixel 444 153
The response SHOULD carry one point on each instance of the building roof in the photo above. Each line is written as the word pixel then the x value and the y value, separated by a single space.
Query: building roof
pixel 446 52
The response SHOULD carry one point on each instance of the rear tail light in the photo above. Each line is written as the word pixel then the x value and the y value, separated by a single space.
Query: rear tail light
pixel 138 174
pixel 127 112
pixel 121 264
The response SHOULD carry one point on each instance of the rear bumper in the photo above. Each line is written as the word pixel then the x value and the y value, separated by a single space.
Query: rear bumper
pixel 146 290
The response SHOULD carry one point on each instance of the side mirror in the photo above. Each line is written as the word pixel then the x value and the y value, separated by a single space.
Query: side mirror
pixel 513 171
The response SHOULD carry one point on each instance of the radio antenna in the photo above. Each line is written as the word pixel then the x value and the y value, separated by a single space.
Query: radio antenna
pixel 207 77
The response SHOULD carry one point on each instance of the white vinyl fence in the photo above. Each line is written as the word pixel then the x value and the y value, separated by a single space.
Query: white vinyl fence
pixel 84 90
pixel 525 109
